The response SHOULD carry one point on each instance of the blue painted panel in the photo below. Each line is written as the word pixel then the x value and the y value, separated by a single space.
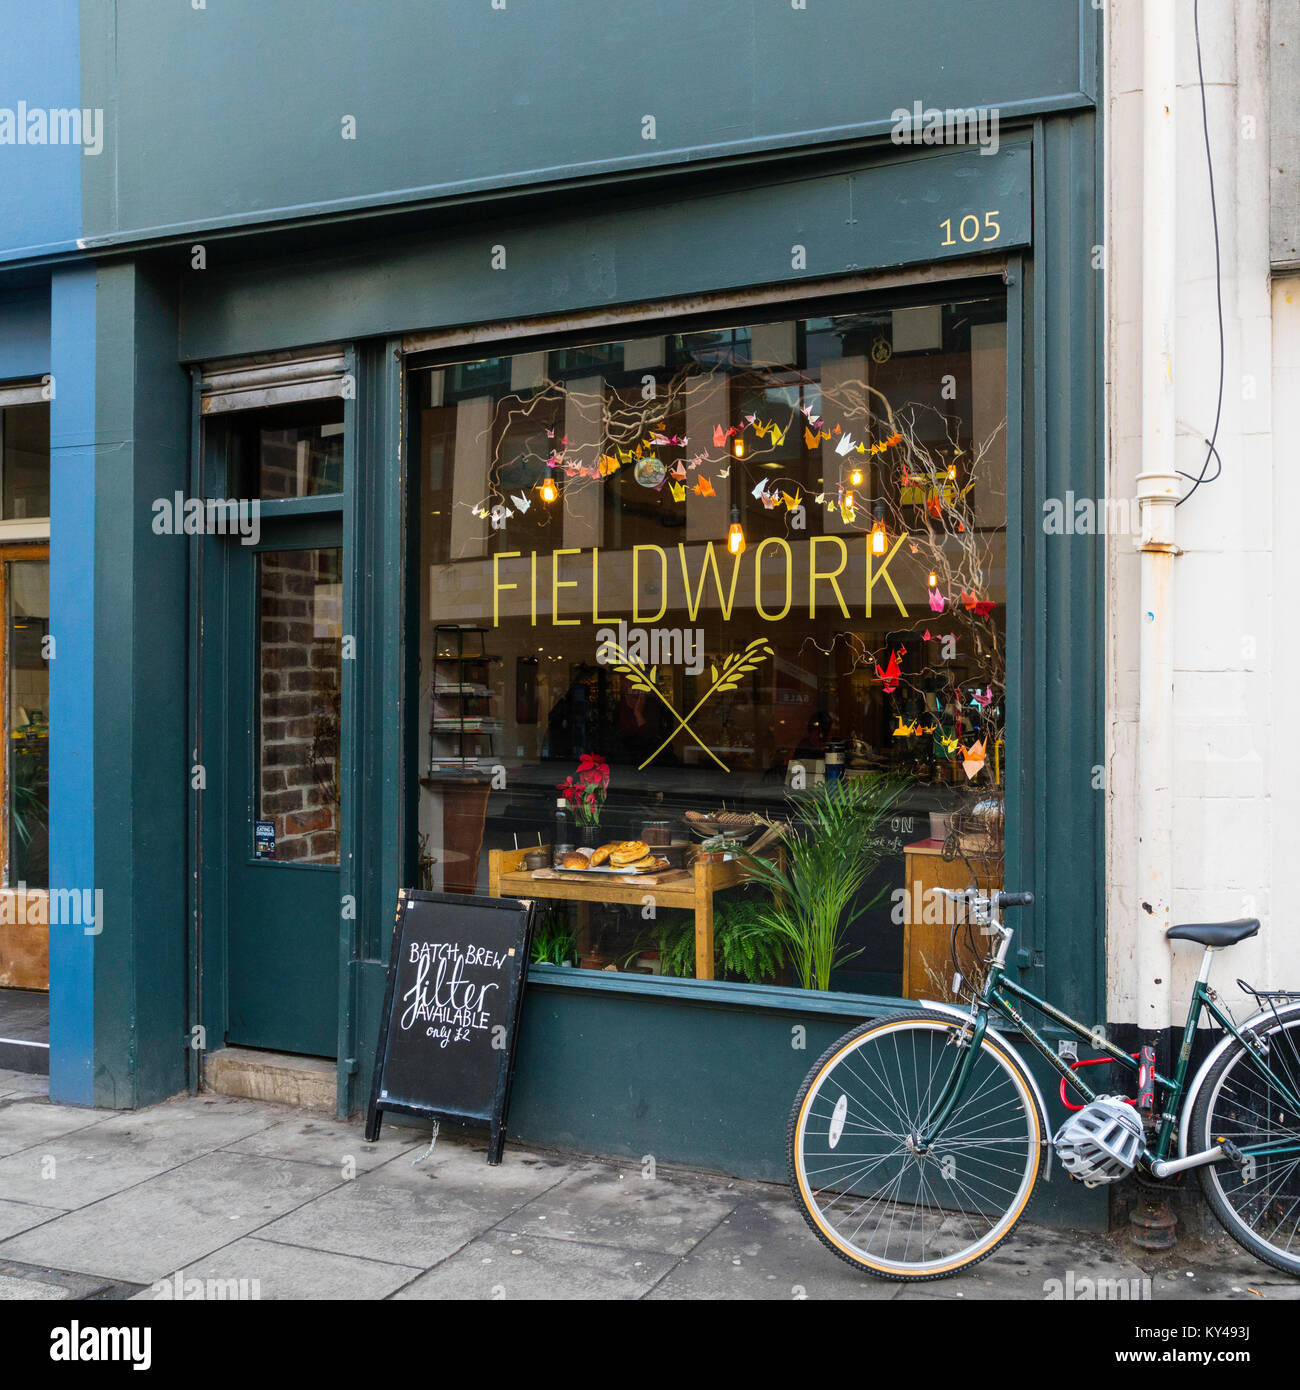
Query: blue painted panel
pixel 72 679
pixel 40 68
pixel 25 334
pixel 238 112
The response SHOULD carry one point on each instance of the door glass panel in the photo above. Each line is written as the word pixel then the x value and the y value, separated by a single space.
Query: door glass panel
pixel 300 605
pixel 27 682
pixel 25 471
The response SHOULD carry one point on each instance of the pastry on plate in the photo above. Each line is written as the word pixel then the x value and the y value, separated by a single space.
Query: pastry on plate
pixel 600 854
pixel 627 852
pixel 574 860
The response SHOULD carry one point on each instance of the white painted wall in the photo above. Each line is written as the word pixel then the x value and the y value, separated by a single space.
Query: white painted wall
pixel 1237 584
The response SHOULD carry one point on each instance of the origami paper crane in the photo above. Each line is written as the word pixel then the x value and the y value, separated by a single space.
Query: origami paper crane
pixel 937 601
pixel 703 488
pixel 973 758
pixel 891 675
pixel 975 604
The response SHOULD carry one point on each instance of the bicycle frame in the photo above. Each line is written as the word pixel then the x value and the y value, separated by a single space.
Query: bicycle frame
pixel 999 991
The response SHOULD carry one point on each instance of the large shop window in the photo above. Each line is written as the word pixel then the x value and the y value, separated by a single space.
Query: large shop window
pixel 736 599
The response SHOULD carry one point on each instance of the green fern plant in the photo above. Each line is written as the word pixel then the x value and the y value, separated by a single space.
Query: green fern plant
pixel 743 944
pixel 553 941
pixel 829 848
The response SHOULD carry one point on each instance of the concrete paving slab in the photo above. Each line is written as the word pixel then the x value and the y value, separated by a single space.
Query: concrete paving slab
pixel 507 1265
pixel 263 1269
pixel 91 1164
pixel 127 1148
pixel 171 1220
pixel 1037 1263
pixel 27 1119
pixel 188 1126
pixel 608 1206
pixel 408 1224
pixel 327 1143
pixel 764 1250
pixel 462 1165
pixel 22 1216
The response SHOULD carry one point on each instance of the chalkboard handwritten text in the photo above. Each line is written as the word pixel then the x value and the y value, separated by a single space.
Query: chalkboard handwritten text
pixel 448 1004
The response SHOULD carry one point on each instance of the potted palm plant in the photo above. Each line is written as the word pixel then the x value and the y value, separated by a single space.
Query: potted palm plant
pixel 828 849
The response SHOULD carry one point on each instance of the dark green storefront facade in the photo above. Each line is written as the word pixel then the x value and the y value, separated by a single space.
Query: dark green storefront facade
pixel 398 184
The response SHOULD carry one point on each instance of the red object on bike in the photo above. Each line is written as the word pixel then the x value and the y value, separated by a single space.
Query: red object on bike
pixel 1091 1062
pixel 1146 1097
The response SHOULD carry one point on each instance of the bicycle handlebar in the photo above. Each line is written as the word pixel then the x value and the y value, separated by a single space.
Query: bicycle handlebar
pixel 996 900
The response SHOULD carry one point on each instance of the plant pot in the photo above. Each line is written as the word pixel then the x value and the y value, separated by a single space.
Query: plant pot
pixel 589 836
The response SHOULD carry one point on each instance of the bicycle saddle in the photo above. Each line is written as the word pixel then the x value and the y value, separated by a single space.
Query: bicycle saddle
pixel 1215 933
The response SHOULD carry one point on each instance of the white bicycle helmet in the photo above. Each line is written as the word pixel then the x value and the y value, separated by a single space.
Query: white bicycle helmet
pixel 1101 1143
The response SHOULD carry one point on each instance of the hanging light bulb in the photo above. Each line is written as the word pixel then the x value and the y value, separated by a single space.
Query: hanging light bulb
pixel 933 580
pixel 848 500
pixel 735 534
pixel 738 448
pixel 878 537
pixel 952 472
pixel 856 477
pixel 549 491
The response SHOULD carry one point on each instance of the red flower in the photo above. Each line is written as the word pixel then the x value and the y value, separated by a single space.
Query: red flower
pixel 587 794
pixel 593 771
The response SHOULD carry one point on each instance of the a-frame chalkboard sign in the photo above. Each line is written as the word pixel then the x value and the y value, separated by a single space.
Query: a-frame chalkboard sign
pixel 451 1010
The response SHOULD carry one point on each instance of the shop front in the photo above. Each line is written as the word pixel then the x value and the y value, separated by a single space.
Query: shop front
pixel 679 456
pixel 718 623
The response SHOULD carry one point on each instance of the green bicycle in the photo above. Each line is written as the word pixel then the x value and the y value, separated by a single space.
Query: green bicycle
pixel 916 1140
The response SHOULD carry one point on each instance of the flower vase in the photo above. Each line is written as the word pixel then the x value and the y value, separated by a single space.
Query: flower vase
pixel 588 835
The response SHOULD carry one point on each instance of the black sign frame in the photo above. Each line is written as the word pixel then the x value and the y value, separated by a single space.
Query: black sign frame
pixel 494 1115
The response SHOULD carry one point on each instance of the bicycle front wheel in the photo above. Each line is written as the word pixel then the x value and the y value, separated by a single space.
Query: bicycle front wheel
pixel 875 1194
pixel 1245 1100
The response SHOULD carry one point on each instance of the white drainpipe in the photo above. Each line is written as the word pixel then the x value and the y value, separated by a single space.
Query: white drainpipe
pixel 1158 490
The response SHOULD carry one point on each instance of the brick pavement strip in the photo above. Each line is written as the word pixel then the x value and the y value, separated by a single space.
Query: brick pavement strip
pixel 215 1197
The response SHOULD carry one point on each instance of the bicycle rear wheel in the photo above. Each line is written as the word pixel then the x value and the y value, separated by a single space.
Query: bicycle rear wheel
pixel 1257 1200
pixel 863 1185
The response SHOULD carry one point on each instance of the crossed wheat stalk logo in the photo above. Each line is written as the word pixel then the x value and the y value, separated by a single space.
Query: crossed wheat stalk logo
pixel 737 665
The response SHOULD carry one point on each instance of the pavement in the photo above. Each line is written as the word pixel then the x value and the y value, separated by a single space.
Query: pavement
pixel 183 1198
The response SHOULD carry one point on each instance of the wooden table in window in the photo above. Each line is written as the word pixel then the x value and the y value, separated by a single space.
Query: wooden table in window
pixel 927 953
pixel 691 888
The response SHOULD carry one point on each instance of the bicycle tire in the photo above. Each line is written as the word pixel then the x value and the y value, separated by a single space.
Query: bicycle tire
pixel 798 1132
pixel 1220 1107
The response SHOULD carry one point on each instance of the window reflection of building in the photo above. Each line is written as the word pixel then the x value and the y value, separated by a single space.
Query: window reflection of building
pixel 544 577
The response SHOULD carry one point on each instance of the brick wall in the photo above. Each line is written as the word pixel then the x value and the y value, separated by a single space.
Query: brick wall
pixel 300 666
